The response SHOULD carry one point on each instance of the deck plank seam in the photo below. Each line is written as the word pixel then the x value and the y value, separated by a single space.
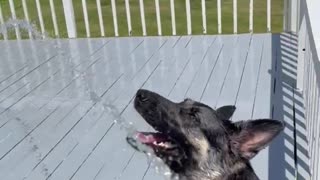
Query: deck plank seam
pixel 188 42
pixel 42 121
pixel 243 69
pixel 14 92
pixel 257 81
pixel 198 70
pixel 224 80
pixel 139 44
pixel 177 42
pixel 90 153
pixel 211 72
pixel 6 78
pixel 145 63
pixel 7 108
pixel 55 169
pixel 51 58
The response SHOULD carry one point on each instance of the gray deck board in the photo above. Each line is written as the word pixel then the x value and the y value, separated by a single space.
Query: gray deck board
pixel 232 81
pixel 262 101
pixel 53 127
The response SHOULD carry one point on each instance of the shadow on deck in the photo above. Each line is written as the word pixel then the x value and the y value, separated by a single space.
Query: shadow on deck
pixel 288 157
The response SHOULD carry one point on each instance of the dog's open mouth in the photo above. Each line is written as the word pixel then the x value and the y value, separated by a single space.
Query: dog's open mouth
pixel 156 140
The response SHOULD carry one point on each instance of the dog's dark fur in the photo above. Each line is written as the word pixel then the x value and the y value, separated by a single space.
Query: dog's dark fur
pixel 199 143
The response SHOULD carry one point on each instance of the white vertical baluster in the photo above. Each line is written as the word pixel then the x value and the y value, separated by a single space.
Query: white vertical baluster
pixel 85 16
pixel 26 16
pixel 219 16
pixel 204 16
pixel 269 15
pixel 115 19
pixel 188 10
pixel 13 15
pixel 4 29
pixel 54 18
pixel 100 18
pixel 69 17
pixel 251 16
pixel 158 17
pixel 40 17
pixel 235 16
pixel 128 17
pixel 143 19
pixel 173 18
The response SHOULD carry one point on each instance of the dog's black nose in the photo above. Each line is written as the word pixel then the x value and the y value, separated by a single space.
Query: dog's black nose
pixel 141 95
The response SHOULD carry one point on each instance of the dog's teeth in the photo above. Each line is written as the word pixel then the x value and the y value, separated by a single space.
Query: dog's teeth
pixel 155 143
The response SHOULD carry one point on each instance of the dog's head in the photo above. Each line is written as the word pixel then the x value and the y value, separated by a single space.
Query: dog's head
pixel 191 136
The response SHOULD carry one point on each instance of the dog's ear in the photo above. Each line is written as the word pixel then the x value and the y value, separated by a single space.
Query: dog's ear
pixel 252 136
pixel 226 112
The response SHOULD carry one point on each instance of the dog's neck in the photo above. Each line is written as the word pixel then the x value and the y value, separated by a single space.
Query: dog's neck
pixel 235 172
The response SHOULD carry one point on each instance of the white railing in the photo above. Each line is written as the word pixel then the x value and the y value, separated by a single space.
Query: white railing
pixel 309 77
pixel 71 22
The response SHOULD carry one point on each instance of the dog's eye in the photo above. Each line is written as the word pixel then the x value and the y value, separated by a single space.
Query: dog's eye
pixel 193 114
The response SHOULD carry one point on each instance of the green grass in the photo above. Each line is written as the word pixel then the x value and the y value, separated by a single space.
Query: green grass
pixel 260 16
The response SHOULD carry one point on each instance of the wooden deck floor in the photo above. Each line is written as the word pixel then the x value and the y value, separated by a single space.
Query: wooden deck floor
pixel 53 127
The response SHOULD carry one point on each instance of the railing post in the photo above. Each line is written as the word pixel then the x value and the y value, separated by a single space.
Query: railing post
pixel 173 18
pixel 219 16
pixel 54 18
pixel 143 20
pixel 26 16
pixel 301 57
pixel 14 17
pixel 188 14
pixel 235 16
pixel 69 17
pixel 3 29
pixel 291 16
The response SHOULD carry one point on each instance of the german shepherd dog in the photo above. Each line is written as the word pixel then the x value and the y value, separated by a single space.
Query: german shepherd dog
pixel 199 143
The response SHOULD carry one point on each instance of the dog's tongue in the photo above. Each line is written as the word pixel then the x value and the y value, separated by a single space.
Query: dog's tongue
pixel 149 138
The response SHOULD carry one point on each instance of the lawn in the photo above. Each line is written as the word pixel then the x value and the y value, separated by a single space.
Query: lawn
pixel 260 16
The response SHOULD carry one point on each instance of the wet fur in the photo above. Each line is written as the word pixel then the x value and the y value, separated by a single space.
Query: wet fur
pixel 210 146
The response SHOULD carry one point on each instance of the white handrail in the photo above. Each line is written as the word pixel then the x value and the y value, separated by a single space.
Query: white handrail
pixel 71 23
